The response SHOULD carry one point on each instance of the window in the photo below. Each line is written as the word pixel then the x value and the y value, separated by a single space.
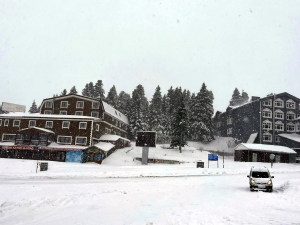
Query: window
pixel 79 105
pixel 278 103
pixel 279 126
pixel 267 137
pixel 81 140
pixel 64 139
pixel 97 127
pixel 63 112
pixel 267 113
pixel 279 114
pixel 219 124
pixel 267 125
pixel 6 122
pixel 290 104
pixel 0 122
pixel 290 127
pixel 16 123
pixel 229 121
pixel 277 139
pixel 32 123
pixel 66 124
pixel 95 114
pixel 49 124
pixel 64 104
pixel 8 137
pixel 95 105
pixel 48 104
pixel 290 115
pixel 116 122
pixel 267 102
pixel 229 131
pixel 79 113
pixel 82 125
pixel 48 112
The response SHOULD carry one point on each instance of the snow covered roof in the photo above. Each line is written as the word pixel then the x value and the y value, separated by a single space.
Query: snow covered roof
pixel 38 115
pixel 294 137
pixel 7 143
pixel 246 103
pixel 115 113
pixel 112 137
pixel 266 148
pixel 105 146
pixel 55 145
pixel 252 138
pixel 38 128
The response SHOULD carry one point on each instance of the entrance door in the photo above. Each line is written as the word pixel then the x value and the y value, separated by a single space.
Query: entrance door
pixel 254 157
pixel 277 158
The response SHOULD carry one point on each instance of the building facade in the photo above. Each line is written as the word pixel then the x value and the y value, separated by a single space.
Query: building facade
pixel 70 120
pixel 267 117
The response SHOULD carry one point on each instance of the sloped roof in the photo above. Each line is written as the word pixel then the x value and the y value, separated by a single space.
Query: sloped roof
pixel 252 138
pixel 105 146
pixel 38 115
pixel 264 148
pixel 115 113
pixel 38 128
pixel 112 137
pixel 293 137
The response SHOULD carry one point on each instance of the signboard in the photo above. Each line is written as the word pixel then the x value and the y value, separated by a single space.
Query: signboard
pixel 10 107
pixel 146 139
pixel 212 157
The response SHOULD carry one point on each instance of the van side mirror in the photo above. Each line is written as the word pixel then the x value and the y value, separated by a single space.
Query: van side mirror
pixel 248 176
pixel 272 176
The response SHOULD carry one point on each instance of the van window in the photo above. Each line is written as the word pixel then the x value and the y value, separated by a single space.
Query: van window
pixel 257 174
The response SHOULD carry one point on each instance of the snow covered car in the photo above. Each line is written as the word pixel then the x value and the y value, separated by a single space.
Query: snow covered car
pixel 260 179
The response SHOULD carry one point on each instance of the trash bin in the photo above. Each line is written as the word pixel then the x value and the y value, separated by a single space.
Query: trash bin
pixel 43 166
pixel 200 164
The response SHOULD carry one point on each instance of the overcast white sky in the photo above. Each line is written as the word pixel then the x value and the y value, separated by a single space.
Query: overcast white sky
pixel 46 46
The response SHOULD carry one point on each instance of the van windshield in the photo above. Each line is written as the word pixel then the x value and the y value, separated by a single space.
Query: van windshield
pixel 257 174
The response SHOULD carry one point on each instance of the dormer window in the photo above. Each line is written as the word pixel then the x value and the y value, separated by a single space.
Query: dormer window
pixel 290 115
pixel 290 127
pixel 278 103
pixel 16 123
pixel 279 114
pixel 290 104
pixel 267 125
pixel 267 113
pixel 267 102
pixel 279 126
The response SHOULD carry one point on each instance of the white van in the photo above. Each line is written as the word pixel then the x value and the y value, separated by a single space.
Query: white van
pixel 260 179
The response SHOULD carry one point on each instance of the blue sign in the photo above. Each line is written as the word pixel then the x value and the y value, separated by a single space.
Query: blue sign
pixel 212 157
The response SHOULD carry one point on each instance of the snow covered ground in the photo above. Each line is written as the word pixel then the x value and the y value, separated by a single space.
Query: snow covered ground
pixel 122 191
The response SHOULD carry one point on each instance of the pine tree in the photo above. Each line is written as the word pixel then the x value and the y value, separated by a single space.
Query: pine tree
pixel 245 97
pixel 85 90
pixel 138 111
pixel 63 93
pixel 73 90
pixel 201 116
pixel 124 103
pixel 112 97
pixel 90 90
pixel 180 127
pixel 155 111
pixel 236 98
pixel 33 108
pixel 98 90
